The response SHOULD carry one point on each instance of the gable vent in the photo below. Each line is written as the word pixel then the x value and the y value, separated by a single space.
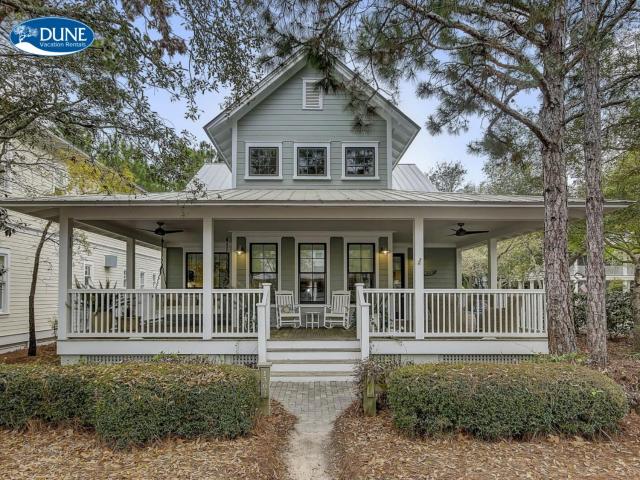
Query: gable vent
pixel 311 95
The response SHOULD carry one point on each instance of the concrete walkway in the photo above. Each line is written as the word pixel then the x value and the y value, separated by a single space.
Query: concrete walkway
pixel 316 404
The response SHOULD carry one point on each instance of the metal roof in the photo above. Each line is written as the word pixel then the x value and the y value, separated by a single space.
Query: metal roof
pixel 294 197
pixel 214 176
pixel 408 177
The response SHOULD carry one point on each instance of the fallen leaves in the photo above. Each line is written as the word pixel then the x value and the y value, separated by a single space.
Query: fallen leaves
pixel 61 453
pixel 371 448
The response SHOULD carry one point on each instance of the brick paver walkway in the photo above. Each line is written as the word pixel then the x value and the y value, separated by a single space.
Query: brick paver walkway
pixel 316 404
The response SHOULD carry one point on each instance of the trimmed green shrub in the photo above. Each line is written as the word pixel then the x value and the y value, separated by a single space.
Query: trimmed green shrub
pixel 504 401
pixel 619 313
pixel 133 403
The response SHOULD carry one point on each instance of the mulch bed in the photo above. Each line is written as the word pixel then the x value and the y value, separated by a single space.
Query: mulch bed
pixel 45 354
pixel 372 448
pixel 62 453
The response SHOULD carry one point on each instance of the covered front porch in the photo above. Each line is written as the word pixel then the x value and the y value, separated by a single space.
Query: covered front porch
pixel 223 267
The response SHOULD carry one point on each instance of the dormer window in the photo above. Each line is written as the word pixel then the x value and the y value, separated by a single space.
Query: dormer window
pixel 360 161
pixel 264 161
pixel 311 94
pixel 311 161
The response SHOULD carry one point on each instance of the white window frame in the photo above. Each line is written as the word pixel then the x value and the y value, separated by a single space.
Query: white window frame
pixel 84 273
pixel 124 278
pixel 375 146
pixel 7 281
pixel 249 145
pixel 141 279
pixel 327 176
pixel 154 279
pixel 305 81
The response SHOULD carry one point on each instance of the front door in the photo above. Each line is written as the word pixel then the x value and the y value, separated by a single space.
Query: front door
pixel 398 270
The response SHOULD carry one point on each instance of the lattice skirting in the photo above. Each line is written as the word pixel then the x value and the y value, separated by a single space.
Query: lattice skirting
pixel 234 359
pixel 453 358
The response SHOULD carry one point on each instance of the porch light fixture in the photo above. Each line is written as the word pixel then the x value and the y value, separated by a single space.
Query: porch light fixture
pixel 241 245
pixel 383 242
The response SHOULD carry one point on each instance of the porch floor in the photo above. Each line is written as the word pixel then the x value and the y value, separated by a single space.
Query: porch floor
pixel 335 333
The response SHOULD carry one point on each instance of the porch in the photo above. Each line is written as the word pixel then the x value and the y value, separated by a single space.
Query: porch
pixel 223 264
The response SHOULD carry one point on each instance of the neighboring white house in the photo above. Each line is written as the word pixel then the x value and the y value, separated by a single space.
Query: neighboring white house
pixel 304 216
pixel 99 260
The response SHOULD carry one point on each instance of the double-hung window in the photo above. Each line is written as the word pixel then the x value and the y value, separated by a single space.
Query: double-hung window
pixel 311 161
pixel 193 270
pixel 4 282
pixel 88 274
pixel 264 265
pixel 142 278
pixel 264 161
pixel 361 265
pixel 312 272
pixel 220 270
pixel 360 160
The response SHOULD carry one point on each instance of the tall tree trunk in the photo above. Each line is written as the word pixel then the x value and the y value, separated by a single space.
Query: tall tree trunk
pixel 596 303
pixel 32 292
pixel 635 299
pixel 562 335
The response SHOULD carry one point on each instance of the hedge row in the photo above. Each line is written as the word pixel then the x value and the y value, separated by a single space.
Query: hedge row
pixel 132 404
pixel 619 313
pixel 504 401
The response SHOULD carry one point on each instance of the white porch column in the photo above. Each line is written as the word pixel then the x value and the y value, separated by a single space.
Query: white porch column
pixel 65 269
pixel 492 249
pixel 458 268
pixel 418 275
pixel 207 282
pixel 131 263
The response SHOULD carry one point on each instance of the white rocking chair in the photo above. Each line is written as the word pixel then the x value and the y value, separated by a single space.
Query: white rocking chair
pixel 338 312
pixel 287 313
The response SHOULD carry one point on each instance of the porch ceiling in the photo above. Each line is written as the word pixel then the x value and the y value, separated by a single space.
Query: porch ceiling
pixel 435 231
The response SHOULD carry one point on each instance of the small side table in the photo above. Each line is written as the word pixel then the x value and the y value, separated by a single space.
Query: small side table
pixel 312 319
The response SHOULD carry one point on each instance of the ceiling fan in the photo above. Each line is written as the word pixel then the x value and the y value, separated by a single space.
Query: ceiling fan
pixel 160 230
pixel 461 231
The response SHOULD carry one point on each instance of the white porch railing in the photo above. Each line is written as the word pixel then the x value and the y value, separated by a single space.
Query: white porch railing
pixel 115 313
pixel 391 312
pixel 485 313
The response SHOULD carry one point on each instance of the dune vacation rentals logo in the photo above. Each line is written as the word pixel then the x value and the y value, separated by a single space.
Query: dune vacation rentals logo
pixel 51 36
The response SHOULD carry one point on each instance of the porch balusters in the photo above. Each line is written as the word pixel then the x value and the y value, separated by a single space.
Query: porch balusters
pixel 362 319
pixel 264 322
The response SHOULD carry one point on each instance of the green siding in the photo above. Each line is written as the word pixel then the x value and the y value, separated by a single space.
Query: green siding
pixel 280 118
pixel 288 263
pixel 441 259
pixel 383 267
pixel 174 267
pixel 241 269
pixel 336 264
pixel 444 261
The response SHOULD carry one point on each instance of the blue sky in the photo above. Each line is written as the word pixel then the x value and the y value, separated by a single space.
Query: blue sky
pixel 425 151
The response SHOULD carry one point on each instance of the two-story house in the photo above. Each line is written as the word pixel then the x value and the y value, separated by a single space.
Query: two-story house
pixel 306 224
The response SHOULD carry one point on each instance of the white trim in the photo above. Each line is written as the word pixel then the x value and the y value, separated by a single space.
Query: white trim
pixel 305 81
pixel 6 309
pixel 389 145
pixel 234 154
pixel 142 277
pixel 327 175
pixel 249 145
pixel 375 145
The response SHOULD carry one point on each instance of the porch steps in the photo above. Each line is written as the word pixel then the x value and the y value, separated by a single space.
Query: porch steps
pixel 312 360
